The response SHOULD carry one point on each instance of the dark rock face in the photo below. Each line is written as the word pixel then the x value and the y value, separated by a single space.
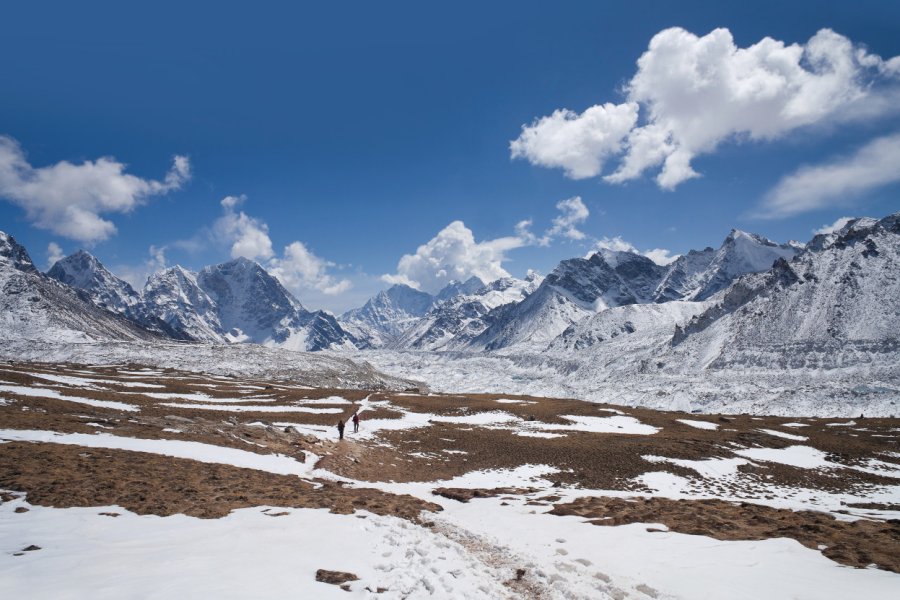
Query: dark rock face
pixel 14 254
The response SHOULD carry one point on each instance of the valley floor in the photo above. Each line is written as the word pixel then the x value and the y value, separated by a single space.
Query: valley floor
pixel 132 481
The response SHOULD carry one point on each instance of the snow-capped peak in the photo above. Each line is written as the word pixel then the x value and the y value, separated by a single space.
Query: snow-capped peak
pixel 457 288
pixel 14 255
pixel 82 270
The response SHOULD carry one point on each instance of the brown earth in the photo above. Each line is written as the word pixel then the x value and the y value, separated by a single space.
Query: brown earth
pixel 63 476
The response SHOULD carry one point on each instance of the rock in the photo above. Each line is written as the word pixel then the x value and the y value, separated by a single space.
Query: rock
pixel 335 577
pixel 21 509
pixel 520 573
pixel 31 548
pixel 178 419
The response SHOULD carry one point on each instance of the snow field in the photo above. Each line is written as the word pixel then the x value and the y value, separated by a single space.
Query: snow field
pixel 246 554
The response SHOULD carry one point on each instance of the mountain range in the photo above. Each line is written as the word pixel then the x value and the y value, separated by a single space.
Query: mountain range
pixel 750 289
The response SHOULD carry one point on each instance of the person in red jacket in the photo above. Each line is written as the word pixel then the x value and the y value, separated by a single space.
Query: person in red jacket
pixel 356 422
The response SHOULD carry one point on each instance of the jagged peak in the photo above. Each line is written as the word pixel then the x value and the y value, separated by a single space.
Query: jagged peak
pixel 737 235
pixel 240 262
pixel 15 254
pixel 83 270
pixel 80 260
pixel 173 272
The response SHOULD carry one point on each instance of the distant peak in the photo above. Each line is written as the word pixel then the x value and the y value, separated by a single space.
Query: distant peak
pixel 737 235
pixel 176 270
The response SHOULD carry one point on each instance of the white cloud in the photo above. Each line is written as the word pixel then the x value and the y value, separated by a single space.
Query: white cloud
pixel 299 269
pixel 54 254
pixel 248 237
pixel 836 226
pixel 696 92
pixel 835 183
pixel 137 275
pixel 660 256
pixel 69 199
pixel 579 144
pixel 615 244
pixel 572 212
pixel 453 254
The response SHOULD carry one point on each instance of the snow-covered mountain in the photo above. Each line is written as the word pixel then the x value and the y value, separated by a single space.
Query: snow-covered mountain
pixel 459 288
pixel 834 305
pixel 458 320
pixel 698 275
pixel 239 301
pixel 387 315
pixel 83 271
pixel 86 273
pixel 626 320
pixel 581 287
pixel 36 307
pixel 174 296
pixel 252 306
pixel 576 289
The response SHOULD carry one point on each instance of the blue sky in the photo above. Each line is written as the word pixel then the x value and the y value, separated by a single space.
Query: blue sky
pixel 348 134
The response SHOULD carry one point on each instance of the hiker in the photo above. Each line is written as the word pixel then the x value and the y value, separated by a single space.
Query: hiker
pixel 356 422
pixel 340 427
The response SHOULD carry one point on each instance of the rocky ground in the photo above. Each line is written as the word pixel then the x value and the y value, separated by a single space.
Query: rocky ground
pixel 165 442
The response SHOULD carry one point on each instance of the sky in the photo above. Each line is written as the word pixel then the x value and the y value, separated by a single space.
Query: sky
pixel 347 146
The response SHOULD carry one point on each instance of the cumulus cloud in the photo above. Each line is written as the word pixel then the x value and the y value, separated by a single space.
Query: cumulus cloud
pixel 69 198
pixel 137 275
pixel 54 254
pixel 298 268
pixel 453 254
pixel 660 256
pixel 577 143
pixel 691 93
pixel 836 226
pixel 835 183
pixel 248 237
pixel 572 212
